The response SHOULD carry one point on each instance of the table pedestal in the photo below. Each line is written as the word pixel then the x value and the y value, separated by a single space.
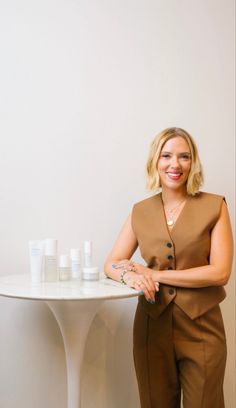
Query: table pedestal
pixel 74 319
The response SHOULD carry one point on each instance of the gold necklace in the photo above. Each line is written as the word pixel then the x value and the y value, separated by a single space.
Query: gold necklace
pixel 170 213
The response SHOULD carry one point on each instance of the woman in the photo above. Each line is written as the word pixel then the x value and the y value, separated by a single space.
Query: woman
pixel 185 239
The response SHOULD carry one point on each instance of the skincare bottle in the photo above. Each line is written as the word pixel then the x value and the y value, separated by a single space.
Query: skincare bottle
pixel 87 254
pixel 91 273
pixel 75 263
pixel 36 252
pixel 64 268
pixel 50 260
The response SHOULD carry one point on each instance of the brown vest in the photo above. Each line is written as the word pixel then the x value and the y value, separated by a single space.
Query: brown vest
pixel 186 246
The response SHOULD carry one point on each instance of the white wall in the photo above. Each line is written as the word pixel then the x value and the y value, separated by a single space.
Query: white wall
pixel 84 87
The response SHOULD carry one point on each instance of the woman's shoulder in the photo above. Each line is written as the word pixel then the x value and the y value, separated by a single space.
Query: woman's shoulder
pixel 207 204
pixel 149 200
pixel 148 203
pixel 211 197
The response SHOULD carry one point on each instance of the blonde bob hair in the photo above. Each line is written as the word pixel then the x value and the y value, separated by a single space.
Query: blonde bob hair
pixel 195 178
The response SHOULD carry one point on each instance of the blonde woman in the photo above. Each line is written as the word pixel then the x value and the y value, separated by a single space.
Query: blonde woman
pixel 184 236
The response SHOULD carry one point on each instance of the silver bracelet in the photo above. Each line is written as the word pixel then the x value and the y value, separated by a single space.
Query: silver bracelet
pixel 122 276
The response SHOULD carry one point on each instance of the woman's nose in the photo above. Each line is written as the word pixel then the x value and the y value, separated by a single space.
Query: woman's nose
pixel 174 162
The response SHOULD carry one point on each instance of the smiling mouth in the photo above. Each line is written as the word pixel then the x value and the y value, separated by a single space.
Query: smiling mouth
pixel 174 176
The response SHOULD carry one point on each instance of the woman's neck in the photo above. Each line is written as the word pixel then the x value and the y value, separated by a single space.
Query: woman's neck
pixel 170 196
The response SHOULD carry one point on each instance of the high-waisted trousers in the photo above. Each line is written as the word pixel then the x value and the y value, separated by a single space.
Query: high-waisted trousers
pixel 174 353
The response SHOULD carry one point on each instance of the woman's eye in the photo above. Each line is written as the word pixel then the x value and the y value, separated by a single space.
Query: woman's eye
pixel 185 157
pixel 165 156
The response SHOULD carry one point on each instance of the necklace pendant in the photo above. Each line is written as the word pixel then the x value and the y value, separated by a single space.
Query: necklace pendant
pixel 170 222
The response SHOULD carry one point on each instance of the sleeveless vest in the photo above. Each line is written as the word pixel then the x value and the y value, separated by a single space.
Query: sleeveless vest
pixel 186 246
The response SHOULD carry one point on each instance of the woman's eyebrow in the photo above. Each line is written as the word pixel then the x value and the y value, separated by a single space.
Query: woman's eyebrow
pixel 165 151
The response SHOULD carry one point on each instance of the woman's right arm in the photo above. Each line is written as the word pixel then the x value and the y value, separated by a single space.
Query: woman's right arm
pixel 118 265
pixel 123 249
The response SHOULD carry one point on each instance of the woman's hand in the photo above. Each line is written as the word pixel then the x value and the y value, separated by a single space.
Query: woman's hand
pixel 142 270
pixel 144 284
pixel 138 277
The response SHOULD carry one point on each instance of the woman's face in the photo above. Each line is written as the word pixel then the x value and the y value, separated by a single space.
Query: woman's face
pixel 174 163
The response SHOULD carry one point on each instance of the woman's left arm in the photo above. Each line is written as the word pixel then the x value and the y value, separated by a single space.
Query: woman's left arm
pixel 218 271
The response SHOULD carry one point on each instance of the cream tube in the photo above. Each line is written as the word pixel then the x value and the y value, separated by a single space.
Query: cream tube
pixel 87 254
pixel 75 263
pixel 36 252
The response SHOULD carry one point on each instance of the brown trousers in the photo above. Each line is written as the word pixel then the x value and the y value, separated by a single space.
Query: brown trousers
pixel 174 353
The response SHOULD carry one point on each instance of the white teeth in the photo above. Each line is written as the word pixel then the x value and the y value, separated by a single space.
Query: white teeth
pixel 174 174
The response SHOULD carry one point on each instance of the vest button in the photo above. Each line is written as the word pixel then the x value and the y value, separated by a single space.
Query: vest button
pixel 170 257
pixel 171 291
pixel 169 244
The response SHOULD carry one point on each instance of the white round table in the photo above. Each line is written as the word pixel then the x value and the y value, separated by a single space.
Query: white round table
pixel 74 305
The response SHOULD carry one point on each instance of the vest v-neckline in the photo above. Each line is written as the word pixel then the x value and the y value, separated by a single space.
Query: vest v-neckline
pixel 171 231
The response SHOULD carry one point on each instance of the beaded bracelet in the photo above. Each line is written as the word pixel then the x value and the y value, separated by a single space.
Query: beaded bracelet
pixel 122 276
